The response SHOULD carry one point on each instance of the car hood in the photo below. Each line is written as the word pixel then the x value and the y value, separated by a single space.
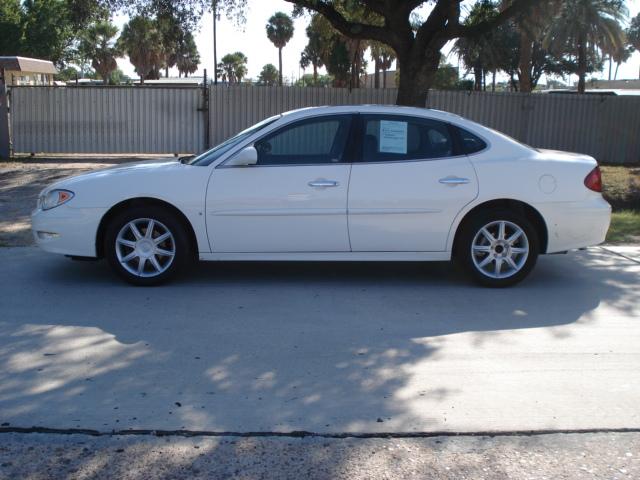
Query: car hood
pixel 147 167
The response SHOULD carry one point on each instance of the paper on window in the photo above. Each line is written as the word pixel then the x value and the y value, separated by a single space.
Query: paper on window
pixel 393 136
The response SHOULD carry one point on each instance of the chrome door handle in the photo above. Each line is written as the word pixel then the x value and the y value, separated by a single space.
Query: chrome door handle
pixel 454 181
pixel 323 183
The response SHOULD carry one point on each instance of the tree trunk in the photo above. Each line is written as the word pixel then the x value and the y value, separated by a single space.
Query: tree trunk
pixel 477 73
pixel 315 74
pixel 493 82
pixel 416 77
pixel 384 78
pixel 615 76
pixel 582 65
pixel 376 78
pixel 524 62
pixel 610 66
pixel 280 71
pixel 166 72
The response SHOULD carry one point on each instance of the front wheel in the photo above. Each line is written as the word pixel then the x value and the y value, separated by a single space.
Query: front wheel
pixel 498 248
pixel 146 245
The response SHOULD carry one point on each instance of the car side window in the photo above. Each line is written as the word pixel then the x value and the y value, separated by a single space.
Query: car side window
pixel 307 142
pixel 470 142
pixel 398 138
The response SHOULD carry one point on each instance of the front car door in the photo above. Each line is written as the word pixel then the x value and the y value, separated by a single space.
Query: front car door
pixel 409 186
pixel 293 200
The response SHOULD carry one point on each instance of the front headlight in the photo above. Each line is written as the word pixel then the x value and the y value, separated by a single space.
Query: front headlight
pixel 54 198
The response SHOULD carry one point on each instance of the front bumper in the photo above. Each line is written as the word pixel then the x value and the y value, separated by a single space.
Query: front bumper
pixel 573 225
pixel 67 230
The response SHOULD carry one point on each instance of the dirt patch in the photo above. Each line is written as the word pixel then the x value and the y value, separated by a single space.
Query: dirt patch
pixel 21 182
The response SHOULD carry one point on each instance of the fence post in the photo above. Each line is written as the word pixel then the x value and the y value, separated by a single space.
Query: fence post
pixel 5 136
pixel 205 108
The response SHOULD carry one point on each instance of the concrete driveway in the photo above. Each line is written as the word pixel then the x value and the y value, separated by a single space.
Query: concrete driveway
pixel 327 348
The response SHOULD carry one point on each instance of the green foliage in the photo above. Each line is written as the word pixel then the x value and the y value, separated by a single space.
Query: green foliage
pixel 98 45
pixel 446 78
pixel 47 32
pixel 308 80
pixel 280 29
pixel 141 40
pixel 268 75
pixel 10 26
pixel 312 55
pixel 633 33
pixel 584 26
pixel 67 74
pixel 233 67
pixel 331 49
pixel 46 29
pixel 187 57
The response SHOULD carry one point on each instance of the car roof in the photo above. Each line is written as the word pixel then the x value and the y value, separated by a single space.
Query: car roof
pixel 385 109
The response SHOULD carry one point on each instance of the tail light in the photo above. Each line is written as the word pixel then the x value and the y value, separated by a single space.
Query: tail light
pixel 593 181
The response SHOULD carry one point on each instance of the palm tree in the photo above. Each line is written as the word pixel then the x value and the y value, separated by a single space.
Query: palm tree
pixel 383 57
pixel 233 67
pixel 187 57
pixel 633 34
pixel 142 42
pixel 583 26
pixel 531 26
pixel 280 30
pixel 97 43
pixel 268 75
pixel 311 56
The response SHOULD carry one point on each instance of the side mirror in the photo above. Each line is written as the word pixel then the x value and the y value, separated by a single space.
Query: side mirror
pixel 244 158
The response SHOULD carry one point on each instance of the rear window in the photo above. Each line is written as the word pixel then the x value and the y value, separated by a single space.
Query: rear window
pixel 470 142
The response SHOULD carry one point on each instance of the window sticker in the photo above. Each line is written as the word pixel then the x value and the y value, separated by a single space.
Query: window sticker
pixel 393 136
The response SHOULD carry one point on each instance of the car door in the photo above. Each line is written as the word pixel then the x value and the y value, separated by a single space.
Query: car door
pixel 408 186
pixel 293 200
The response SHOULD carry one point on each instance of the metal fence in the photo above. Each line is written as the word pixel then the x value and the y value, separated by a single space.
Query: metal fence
pixel 606 127
pixel 106 120
pixel 171 120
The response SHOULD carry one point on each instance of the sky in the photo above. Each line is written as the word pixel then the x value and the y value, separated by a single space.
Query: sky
pixel 251 39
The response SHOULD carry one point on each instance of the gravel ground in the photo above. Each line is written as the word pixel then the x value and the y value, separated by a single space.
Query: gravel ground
pixel 22 180
pixel 556 456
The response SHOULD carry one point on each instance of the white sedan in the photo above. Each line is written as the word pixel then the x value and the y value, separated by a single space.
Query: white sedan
pixel 352 183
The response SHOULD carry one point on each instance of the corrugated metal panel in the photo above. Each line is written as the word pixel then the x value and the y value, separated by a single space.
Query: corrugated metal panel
pixel 167 120
pixel 606 127
pixel 107 119
pixel 234 108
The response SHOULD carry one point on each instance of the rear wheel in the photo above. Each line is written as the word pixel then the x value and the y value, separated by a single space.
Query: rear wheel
pixel 498 248
pixel 146 245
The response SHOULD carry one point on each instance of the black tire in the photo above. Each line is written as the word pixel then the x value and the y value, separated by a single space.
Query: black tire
pixel 178 243
pixel 473 227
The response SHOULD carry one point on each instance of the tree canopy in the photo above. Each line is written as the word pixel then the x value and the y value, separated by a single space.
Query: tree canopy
pixel 141 40
pixel 269 75
pixel 98 44
pixel 233 67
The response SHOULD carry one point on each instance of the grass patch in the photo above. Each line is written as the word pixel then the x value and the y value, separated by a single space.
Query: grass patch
pixel 621 187
pixel 625 227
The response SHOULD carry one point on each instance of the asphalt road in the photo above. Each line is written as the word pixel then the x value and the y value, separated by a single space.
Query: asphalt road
pixel 327 348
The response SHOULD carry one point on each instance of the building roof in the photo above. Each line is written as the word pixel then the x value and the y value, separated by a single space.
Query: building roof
pixel 25 64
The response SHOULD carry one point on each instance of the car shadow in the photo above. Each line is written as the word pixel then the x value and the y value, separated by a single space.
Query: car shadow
pixel 267 346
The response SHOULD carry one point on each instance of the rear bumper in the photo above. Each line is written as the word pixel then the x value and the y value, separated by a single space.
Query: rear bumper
pixel 572 225
pixel 66 230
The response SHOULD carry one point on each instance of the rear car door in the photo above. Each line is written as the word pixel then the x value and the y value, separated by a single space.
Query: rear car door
pixel 409 185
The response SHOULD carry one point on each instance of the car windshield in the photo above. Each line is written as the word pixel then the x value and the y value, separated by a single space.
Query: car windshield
pixel 216 152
